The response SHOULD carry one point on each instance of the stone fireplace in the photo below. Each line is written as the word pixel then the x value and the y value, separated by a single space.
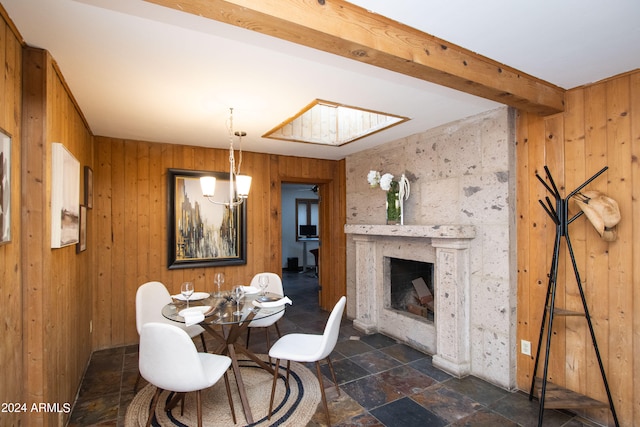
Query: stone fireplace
pixel 447 248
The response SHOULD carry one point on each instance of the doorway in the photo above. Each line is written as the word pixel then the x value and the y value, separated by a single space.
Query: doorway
pixel 300 235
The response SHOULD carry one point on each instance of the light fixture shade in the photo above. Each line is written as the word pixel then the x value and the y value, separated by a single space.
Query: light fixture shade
pixel 243 185
pixel 208 185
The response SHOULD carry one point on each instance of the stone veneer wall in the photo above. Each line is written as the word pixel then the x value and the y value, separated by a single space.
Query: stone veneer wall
pixel 460 173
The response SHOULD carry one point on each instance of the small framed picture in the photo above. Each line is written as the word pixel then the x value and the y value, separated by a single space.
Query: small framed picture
pixel 5 187
pixel 88 187
pixel 82 243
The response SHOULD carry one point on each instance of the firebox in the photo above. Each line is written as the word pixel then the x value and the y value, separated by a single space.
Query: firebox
pixel 412 287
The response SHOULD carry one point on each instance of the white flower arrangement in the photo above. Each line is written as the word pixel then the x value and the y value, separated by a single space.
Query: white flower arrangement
pixel 400 189
pixel 383 181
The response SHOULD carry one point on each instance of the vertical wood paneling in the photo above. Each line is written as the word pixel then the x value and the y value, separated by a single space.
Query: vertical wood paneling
pixel 620 355
pixel 635 234
pixel 525 329
pixel 576 338
pixel 600 127
pixel 596 271
pixel 103 200
pixel 13 332
pixel 554 158
pixel 34 205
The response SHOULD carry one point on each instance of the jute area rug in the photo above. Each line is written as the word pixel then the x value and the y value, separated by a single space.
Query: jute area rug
pixel 292 407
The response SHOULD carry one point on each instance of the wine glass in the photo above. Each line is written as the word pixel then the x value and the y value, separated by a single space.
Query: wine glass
pixel 263 282
pixel 219 280
pixel 238 294
pixel 187 290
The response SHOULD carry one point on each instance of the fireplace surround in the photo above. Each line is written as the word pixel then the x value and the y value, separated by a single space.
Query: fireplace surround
pixel 447 247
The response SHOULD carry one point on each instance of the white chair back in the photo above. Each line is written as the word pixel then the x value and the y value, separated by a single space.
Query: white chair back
pixel 274 287
pixel 150 298
pixel 275 283
pixel 332 329
pixel 168 359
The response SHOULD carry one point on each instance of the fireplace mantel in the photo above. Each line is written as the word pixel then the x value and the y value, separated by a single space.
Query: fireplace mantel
pixel 447 247
pixel 424 231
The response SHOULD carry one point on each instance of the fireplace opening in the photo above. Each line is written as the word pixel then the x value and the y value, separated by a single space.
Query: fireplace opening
pixel 412 289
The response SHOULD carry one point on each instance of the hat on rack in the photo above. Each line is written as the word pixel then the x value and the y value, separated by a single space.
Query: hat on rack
pixel 602 211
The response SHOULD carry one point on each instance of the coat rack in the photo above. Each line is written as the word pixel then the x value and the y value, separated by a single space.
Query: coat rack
pixel 559 215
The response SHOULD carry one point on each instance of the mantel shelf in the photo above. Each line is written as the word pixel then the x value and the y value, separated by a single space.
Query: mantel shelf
pixel 423 231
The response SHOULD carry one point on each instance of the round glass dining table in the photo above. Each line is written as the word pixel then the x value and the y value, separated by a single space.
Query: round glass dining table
pixel 226 327
pixel 222 308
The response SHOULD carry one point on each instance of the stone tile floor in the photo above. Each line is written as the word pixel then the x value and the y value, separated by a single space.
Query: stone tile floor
pixel 382 382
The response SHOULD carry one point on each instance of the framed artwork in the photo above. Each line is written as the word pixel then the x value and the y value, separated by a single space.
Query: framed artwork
pixel 5 187
pixel 202 233
pixel 82 243
pixel 65 197
pixel 88 187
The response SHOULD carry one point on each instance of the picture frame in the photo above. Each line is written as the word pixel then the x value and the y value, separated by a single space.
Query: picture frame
pixel 5 187
pixel 65 197
pixel 88 187
pixel 202 233
pixel 81 246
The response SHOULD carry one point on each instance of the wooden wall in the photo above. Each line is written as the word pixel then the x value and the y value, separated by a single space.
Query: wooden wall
pixel 600 127
pixel 57 283
pixel 11 351
pixel 131 224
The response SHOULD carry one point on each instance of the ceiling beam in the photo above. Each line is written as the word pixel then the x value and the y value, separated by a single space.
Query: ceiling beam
pixel 344 29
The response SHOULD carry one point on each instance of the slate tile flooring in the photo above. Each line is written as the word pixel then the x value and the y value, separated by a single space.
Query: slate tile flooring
pixel 382 382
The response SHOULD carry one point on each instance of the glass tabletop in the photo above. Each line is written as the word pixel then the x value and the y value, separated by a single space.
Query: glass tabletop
pixel 222 308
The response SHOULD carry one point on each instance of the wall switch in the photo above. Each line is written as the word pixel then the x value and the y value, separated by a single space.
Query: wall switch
pixel 525 347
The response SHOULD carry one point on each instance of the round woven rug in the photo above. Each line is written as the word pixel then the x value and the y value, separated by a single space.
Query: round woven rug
pixel 292 407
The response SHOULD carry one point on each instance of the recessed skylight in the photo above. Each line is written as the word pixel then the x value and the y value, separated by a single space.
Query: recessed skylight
pixel 330 123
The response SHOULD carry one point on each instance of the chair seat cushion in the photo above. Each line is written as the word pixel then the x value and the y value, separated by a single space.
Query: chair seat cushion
pixel 298 347
pixel 214 366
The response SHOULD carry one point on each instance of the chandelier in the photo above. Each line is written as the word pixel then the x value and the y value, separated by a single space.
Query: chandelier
pixel 239 185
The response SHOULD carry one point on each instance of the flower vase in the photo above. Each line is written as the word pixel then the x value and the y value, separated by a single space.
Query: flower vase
pixel 394 207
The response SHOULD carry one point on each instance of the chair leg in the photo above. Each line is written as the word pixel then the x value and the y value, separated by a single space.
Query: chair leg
pixel 135 386
pixel 152 408
pixel 226 383
pixel 199 406
pixel 248 335
pixel 204 344
pixel 333 374
pixel 266 334
pixel 273 387
pixel 324 397
pixel 278 330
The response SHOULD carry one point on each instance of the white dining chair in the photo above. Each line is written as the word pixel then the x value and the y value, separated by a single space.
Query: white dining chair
pixel 150 298
pixel 274 287
pixel 169 360
pixel 307 348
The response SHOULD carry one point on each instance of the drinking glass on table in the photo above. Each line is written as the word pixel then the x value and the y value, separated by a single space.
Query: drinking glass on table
pixel 238 294
pixel 187 290
pixel 263 282
pixel 218 279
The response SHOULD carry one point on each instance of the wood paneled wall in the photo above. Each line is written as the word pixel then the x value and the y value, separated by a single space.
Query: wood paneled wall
pixel 11 351
pixel 131 224
pixel 600 127
pixel 57 283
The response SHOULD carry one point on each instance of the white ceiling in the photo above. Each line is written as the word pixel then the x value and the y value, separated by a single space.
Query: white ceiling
pixel 141 71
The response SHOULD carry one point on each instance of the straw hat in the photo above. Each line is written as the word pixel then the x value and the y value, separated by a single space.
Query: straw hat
pixel 602 211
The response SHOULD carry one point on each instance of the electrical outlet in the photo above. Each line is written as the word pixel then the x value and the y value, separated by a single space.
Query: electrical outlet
pixel 525 347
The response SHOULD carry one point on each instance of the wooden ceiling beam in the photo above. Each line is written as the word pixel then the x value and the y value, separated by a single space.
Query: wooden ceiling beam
pixel 344 29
